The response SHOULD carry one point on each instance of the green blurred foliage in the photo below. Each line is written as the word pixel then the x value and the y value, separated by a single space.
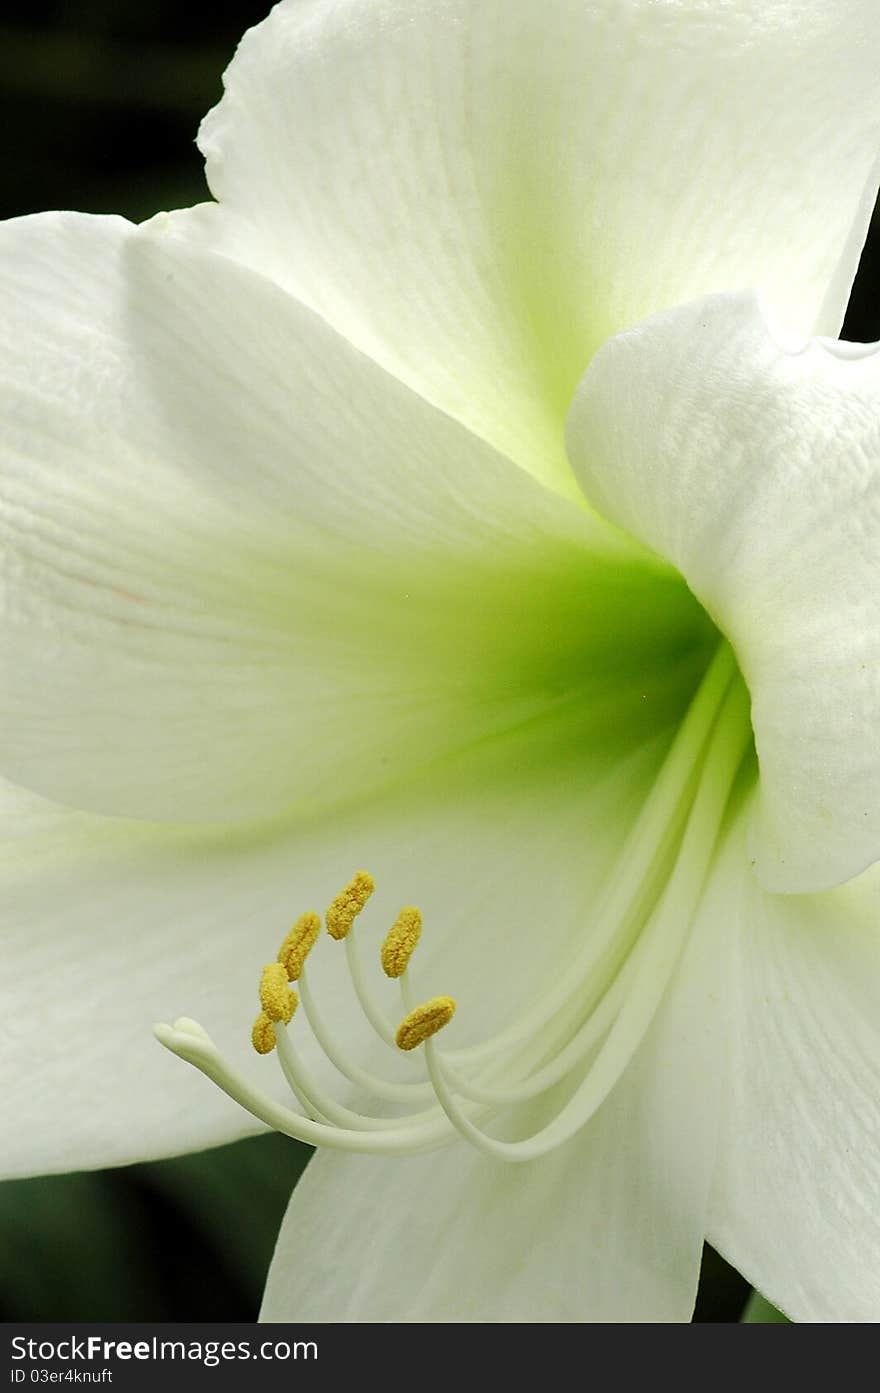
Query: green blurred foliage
pixel 188 1239
pixel 759 1312
pixel 100 100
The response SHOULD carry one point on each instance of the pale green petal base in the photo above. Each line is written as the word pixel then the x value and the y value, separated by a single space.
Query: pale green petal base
pixel 247 571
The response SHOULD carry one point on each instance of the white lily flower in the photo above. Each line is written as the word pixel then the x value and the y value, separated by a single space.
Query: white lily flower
pixel 334 537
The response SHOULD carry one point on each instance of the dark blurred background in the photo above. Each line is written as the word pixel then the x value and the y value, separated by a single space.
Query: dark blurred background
pixel 100 101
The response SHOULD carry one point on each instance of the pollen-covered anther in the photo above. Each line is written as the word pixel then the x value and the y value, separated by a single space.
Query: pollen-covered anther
pixel 298 944
pixel 263 1034
pixel 400 942
pixel 349 903
pixel 424 1021
pixel 277 1001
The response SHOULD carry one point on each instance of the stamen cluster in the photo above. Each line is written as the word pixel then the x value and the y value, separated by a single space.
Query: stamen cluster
pixel 580 1033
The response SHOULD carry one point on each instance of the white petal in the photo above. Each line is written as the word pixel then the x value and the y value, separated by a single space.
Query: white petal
pixel 755 468
pixel 795 1200
pixel 479 194
pixel 108 926
pixel 608 1228
pixel 243 566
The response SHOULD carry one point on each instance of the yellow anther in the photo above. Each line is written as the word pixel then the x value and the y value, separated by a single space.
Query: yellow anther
pixel 263 1034
pixel 400 943
pixel 349 903
pixel 424 1021
pixel 298 944
pixel 278 1003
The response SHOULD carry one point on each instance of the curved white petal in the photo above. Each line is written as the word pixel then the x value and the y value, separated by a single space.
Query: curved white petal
pixel 109 926
pixel 245 568
pixel 795 1199
pixel 755 468
pixel 608 1228
pixel 479 194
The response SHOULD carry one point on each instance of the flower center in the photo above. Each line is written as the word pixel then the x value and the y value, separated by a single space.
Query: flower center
pixel 575 1039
